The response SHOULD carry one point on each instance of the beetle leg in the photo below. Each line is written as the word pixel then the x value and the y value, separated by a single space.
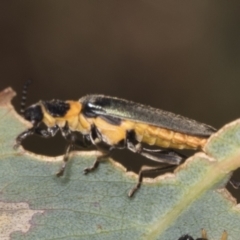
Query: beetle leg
pixel 73 141
pixel 96 163
pixel 157 155
pixel 163 156
pixel 144 170
pixel 65 160
pixel 22 136
pixel 71 137
pixel 46 133
pixel 104 148
pixel 147 169
pixel 167 157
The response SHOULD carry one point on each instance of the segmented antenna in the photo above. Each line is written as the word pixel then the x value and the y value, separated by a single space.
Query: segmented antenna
pixel 24 95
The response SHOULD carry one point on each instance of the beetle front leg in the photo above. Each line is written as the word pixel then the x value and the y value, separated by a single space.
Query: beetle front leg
pixel 73 141
pixel 45 133
pixel 22 136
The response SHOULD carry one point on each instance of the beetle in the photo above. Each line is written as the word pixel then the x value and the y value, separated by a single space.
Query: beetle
pixel 203 237
pixel 112 123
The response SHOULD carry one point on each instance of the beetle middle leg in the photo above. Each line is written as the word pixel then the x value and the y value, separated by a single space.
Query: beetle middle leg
pixel 104 148
pixel 74 141
pixel 97 162
pixel 65 160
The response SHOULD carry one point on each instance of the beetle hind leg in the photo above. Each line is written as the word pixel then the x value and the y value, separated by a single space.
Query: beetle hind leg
pixel 148 169
pixel 171 158
pixel 168 157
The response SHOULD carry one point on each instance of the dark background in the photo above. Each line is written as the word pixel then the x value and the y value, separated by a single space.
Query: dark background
pixel 181 56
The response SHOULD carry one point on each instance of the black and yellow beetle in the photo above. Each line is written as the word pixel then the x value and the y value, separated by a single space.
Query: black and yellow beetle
pixel 110 123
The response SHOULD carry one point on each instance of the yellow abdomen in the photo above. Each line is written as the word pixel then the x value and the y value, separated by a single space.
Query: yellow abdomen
pixel 167 138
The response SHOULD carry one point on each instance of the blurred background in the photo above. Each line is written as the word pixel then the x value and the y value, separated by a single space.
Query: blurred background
pixel 181 56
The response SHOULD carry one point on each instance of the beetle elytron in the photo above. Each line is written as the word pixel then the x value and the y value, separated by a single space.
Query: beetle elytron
pixel 109 122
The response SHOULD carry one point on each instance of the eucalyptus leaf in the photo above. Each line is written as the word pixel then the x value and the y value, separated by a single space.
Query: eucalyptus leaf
pixel 35 204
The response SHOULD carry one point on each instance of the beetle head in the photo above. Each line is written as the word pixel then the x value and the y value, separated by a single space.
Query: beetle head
pixel 33 114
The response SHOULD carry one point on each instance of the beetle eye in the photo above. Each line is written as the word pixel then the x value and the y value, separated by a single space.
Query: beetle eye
pixel 33 114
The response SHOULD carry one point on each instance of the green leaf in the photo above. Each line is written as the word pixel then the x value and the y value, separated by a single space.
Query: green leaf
pixel 35 204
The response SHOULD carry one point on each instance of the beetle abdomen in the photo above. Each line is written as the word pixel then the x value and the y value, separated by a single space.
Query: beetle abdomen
pixel 148 134
pixel 167 138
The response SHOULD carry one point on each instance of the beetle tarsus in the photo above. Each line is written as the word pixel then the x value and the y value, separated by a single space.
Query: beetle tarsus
pixel 148 169
pixel 134 189
pixel 92 168
pixel 16 145
pixel 96 163
pixel 65 160
pixel 61 171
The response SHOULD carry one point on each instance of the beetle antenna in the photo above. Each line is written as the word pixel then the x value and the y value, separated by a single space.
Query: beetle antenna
pixel 24 95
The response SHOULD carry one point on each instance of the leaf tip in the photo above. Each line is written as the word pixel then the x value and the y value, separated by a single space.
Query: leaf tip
pixel 6 96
